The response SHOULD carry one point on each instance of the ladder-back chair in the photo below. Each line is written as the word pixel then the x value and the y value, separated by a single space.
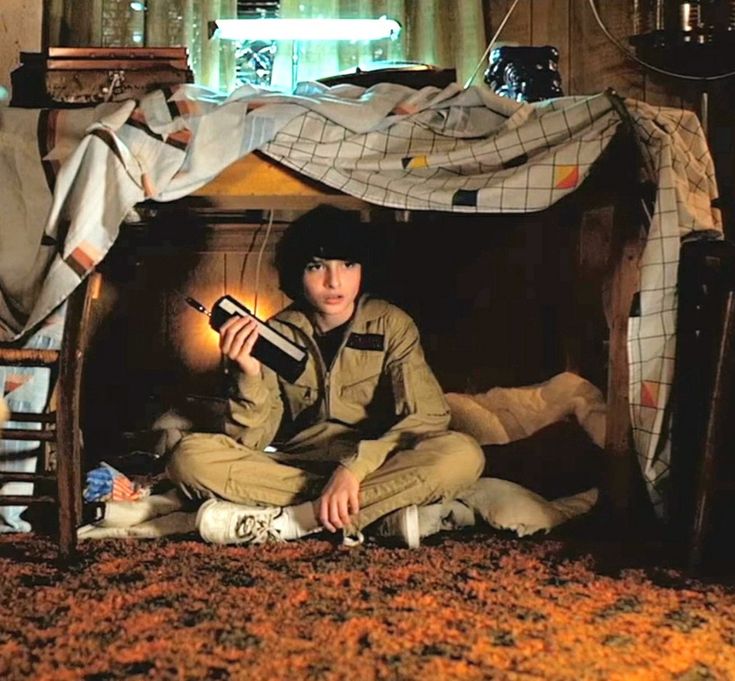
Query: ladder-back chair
pixel 60 425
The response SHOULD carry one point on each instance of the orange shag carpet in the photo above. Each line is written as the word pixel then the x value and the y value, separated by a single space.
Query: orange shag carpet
pixel 480 606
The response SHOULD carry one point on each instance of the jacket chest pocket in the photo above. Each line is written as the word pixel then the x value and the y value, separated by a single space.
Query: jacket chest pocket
pixel 360 392
pixel 360 373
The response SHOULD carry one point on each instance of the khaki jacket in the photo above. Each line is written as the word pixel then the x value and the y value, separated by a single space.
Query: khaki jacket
pixel 378 396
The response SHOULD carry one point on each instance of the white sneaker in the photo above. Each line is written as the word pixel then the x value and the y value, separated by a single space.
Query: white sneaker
pixel 409 525
pixel 401 526
pixel 222 522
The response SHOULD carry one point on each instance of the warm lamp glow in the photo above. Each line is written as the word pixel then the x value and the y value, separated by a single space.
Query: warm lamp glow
pixel 198 342
pixel 304 29
pixel 266 308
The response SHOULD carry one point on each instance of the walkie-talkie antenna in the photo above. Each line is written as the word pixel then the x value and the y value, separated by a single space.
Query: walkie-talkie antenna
pixel 197 306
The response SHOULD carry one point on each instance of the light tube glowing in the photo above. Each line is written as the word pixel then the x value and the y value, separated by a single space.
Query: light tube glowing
pixel 304 29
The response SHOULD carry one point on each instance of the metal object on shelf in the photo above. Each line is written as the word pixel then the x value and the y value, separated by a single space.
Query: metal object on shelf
pixel 524 73
pixel 85 76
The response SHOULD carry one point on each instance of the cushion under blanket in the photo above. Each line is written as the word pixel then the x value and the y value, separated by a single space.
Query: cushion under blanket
pixel 507 506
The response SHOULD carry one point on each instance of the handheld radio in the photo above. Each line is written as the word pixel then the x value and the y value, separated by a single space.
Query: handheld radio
pixel 272 348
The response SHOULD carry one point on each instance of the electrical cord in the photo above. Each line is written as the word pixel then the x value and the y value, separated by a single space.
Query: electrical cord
pixel 491 44
pixel 630 55
pixel 260 258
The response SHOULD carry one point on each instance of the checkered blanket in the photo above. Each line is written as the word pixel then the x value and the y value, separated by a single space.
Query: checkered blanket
pixel 78 174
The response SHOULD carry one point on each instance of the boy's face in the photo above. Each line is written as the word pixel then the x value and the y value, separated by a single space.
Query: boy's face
pixel 331 287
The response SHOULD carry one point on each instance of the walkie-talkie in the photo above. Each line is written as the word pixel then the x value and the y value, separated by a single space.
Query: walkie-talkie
pixel 272 348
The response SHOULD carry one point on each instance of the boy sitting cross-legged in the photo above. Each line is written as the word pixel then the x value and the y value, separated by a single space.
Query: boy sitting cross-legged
pixel 360 438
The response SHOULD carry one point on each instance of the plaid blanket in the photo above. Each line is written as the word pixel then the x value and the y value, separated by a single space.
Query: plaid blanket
pixel 80 172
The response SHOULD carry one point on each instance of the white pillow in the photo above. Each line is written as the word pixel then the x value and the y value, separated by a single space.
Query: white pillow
pixel 507 506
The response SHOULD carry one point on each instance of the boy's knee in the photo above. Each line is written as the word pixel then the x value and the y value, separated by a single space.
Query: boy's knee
pixel 458 461
pixel 180 462
pixel 189 459
pixel 467 458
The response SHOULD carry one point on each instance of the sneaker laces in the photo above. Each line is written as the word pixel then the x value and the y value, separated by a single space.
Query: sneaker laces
pixel 258 529
pixel 352 538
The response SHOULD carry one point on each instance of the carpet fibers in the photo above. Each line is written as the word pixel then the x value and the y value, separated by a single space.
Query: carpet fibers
pixel 468 607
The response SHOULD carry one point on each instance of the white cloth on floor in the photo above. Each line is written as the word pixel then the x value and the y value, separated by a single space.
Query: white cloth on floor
pixel 157 515
pixel 179 522
pixel 505 505
pixel 128 513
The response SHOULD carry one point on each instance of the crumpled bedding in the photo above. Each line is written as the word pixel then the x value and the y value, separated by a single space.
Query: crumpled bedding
pixel 503 415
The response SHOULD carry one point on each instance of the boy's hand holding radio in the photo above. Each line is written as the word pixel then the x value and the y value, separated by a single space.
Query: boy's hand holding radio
pixel 236 340
pixel 251 341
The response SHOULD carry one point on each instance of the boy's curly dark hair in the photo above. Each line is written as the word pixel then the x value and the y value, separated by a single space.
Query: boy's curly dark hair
pixel 324 232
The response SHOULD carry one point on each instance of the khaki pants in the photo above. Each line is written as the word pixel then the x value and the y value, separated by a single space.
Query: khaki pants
pixel 438 467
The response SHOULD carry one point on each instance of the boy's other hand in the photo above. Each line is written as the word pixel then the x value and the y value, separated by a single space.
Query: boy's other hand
pixel 236 339
pixel 339 500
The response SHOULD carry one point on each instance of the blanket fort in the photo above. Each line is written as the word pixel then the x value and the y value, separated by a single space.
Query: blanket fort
pixel 70 177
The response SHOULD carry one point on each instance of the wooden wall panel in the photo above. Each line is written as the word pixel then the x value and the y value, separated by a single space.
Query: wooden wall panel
pixel 596 64
pixel 485 293
pixel 256 283
pixel 20 29
pixel 194 345
pixel 550 26
pixel 518 28
pixel 150 349
pixel 663 90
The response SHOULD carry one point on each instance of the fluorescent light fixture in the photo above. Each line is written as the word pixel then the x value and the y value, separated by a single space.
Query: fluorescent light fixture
pixel 304 29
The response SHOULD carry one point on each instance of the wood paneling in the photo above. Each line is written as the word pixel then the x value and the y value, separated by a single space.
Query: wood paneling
pixel 20 29
pixel 596 64
pixel 721 137
pixel 518 28
pixel 550 26
pixel 251 276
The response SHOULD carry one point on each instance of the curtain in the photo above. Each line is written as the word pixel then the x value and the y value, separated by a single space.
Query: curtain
pixel 446 33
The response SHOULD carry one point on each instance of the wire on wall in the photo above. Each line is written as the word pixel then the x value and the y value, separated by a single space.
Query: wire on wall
pixel 491 44
pixel 264 243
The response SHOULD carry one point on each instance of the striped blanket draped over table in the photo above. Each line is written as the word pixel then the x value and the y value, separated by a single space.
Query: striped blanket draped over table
pixel 68 179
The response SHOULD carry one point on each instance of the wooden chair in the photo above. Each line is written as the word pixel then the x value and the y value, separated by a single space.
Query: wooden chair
pixel 722 403
pixel 60 426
